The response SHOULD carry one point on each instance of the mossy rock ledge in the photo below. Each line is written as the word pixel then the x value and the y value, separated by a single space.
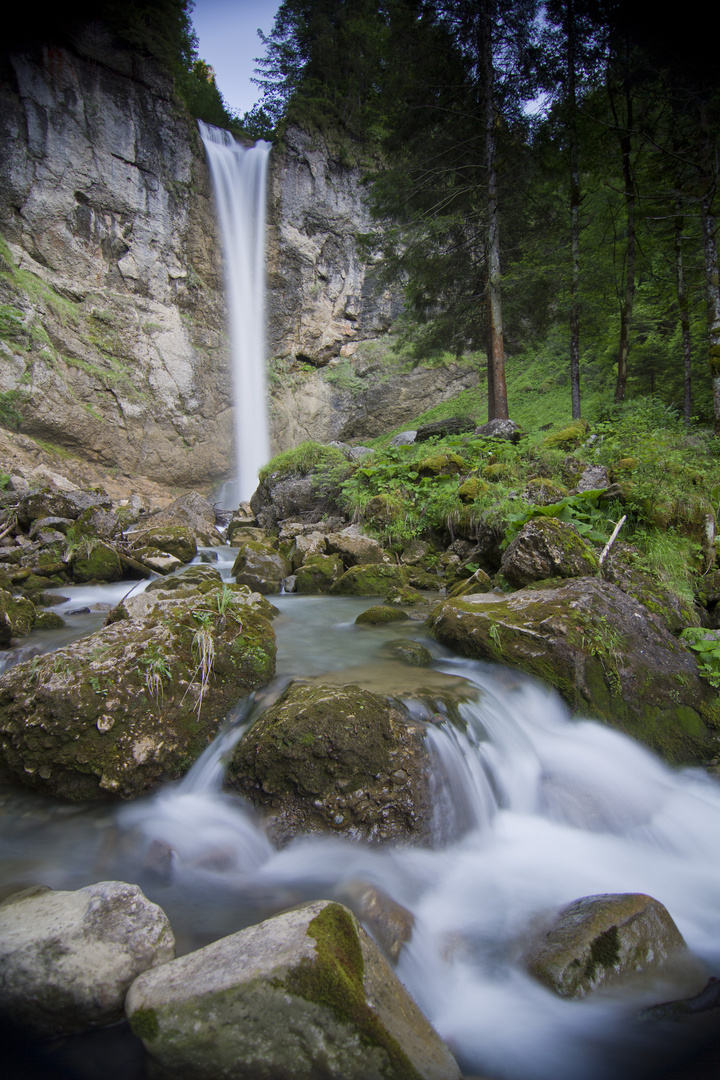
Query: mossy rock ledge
pixel 335 759
pixel 603 652
pixel 305 994
pixel 121 710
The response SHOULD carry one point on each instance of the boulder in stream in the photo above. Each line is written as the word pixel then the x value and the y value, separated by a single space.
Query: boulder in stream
pixel 136 702
pixel 602 650
pixel 67 959
pixel 335 759
pixel 547 548
pixel 303 995
pixel 261 567
pixel 610 938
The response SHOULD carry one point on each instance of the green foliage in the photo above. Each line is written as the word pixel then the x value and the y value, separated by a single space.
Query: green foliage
pixel 308 457
pixel 593 521
pixel 706 646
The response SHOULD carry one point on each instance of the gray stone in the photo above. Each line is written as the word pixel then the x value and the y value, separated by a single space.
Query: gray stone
pixel 404 438
pixel 547 548
pixel 302 995
pixel 608 939
pixel 499 429
pixel 67 959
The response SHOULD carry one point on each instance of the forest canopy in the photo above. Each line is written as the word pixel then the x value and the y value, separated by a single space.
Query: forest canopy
pixel 543 176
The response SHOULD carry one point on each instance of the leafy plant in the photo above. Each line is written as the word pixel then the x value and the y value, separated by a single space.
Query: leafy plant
pixel 592 521
pixel 706 646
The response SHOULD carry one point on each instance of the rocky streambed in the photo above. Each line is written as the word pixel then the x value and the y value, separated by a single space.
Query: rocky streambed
pixel 381 817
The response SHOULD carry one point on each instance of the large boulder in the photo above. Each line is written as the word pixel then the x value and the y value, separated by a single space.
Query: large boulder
pixel 305 994
pixel 340 759
pixel 604 653
pixel 318 573
pixel 176 540
pixel 547 548
pixel 136 702
pixel 608 939
pixel 353 548
pixel 67 959
pixel 194 512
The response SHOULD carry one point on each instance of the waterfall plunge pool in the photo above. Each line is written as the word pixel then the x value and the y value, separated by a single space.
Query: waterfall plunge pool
pixel 538 809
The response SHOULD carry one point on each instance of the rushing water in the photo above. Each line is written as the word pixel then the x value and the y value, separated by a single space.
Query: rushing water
pixel 239 176
pixel 534 810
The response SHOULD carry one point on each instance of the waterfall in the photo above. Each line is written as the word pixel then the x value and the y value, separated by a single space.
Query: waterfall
pixel 239 176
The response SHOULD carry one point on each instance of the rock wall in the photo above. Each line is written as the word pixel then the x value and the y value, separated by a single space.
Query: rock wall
pixel 113 347
pixel 111 307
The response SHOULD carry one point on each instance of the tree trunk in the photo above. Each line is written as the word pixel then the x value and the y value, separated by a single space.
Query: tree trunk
pixel 497 390
pixel 574 215
pixel 628 299
pixel 712 277
pixel 682 300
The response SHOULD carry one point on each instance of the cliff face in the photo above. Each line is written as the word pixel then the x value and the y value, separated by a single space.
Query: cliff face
pixel 113 345
pixel 112 320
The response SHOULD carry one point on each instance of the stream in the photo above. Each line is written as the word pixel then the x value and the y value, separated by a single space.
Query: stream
pixel 534 809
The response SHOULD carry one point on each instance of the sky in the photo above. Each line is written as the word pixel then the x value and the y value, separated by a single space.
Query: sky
pixel 227 33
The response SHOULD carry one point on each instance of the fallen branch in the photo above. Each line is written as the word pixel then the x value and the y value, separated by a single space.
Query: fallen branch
pixel 613 538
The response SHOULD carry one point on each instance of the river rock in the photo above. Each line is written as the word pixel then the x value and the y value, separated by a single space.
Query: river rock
pixel 329 758
pixel 305 995
pixel 193 512
pixel 318 573
pixel 17 616
pixel 375 579
pixel 67 959
pixel 176 540
pixel 609 938
pixel 354 549
pixel 261 568
pixel 379 615
pixel 120 710
pixel 547 548
pixel 602 650
pixel 95 561
pixel 391 924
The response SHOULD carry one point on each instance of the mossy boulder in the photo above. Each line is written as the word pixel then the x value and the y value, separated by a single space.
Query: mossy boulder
pixel 339 759
pixel 17 616
pixel 547 548
pixel 380 615
pixel 306 994
pixel 177 540
pixel 610 939
pixel 48 620
pixel 261 568
pixel 408 652
pixel 442 464
pixel 375 579
pixel 568 437
pixel 673 611
pixel 199 576
pixel 318 573
pixel 478 582
pixel 121 710
pixel 473 488
pixel 544 492
pixel 383 510
pixel 604 653
pixel 96 561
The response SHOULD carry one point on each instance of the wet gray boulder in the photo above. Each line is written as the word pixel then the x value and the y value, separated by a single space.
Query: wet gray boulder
pixel 67 959
pixel 547 548
pixel 609 939
pixel 354 549
pixel 303 995
pixel 335 759
pixel 602 650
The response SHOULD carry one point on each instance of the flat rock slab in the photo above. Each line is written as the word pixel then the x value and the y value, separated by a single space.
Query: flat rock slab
pixel 607 938
pixel 67 959
pixel 306 994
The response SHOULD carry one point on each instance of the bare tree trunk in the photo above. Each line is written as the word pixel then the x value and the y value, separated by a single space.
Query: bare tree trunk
pixel 497 399
pixel 628 299
pixel 574 215
pixel 712 277
pixel 682 300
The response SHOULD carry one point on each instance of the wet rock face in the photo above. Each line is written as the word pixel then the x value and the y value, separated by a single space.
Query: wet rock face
pixel 303 995
pixel 602 650
pixel 67 959
pixel 138 701
pixel 118 350
pixel 608 939
pixel 339 759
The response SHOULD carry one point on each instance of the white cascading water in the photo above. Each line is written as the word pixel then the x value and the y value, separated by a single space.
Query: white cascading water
pixel 536 810
pixel 239 176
